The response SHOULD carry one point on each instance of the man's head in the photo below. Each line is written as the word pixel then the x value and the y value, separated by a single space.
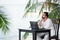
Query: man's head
pixel 45 15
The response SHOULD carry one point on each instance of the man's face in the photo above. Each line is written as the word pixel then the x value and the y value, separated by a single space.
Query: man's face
pixel 43 16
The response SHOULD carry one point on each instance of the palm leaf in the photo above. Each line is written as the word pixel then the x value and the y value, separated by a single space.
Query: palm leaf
pixel 28 4
pixel 55 11
pixel 26 35
pixel 41 9
pixel 4 22
pixel 30 9
pixel 51 15
pixel 54 5
pixel 54 0
pixel 5 28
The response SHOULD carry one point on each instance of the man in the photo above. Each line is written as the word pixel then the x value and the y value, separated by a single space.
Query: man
pixel 47 24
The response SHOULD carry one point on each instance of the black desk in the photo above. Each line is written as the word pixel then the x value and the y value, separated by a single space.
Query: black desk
pixel 34 32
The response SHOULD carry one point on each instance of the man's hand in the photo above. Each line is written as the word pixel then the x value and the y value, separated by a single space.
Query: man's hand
pixel 40 24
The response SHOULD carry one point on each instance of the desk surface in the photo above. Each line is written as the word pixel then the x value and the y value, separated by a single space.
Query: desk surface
pixel 41 30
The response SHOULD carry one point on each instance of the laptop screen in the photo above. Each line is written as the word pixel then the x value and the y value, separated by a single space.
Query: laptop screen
pixel 34 25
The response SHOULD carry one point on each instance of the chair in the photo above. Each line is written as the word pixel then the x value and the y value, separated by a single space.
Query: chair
pixel 56 32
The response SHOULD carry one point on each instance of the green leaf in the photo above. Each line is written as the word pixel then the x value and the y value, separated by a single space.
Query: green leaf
pixel 4 22
pixel 0 22
pixel 5 29
pixel 54 5
pixel 50 15
pixel 41 9
pixel 28 4
pixel 55 11
pixel 30 9
pixel 26 35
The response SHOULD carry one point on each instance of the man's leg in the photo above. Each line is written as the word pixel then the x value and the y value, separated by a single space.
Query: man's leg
pixel 46 37
pixel 38 38
pixel 41 34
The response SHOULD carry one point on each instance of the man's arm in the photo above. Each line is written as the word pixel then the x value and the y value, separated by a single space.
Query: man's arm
pixel 40 24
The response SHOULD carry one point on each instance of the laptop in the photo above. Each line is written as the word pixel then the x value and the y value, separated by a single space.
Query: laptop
pixel 34 25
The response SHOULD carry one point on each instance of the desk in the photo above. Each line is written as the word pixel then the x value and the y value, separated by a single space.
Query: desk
pixel 34 32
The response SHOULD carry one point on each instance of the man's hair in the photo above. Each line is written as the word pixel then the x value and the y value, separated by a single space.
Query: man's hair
pixel 46 13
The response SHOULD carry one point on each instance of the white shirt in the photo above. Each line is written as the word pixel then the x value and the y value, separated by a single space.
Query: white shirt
pixel 49 25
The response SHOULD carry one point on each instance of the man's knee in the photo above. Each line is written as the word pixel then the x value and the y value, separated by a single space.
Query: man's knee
pixel 46 37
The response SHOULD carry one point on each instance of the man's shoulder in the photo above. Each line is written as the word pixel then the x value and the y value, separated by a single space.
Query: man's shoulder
pixel 49 19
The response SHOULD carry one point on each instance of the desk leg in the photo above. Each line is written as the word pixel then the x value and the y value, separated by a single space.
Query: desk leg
pixel 34 35
pixel 49 35
pixel 19 35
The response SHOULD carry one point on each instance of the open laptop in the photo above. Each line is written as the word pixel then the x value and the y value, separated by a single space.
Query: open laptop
pixel 34 25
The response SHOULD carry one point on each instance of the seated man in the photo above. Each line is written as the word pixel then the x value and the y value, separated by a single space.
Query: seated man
pixel 47 24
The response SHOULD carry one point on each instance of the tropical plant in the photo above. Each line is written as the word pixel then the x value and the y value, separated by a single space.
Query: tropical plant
pixel 3 21
pixel 51 5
